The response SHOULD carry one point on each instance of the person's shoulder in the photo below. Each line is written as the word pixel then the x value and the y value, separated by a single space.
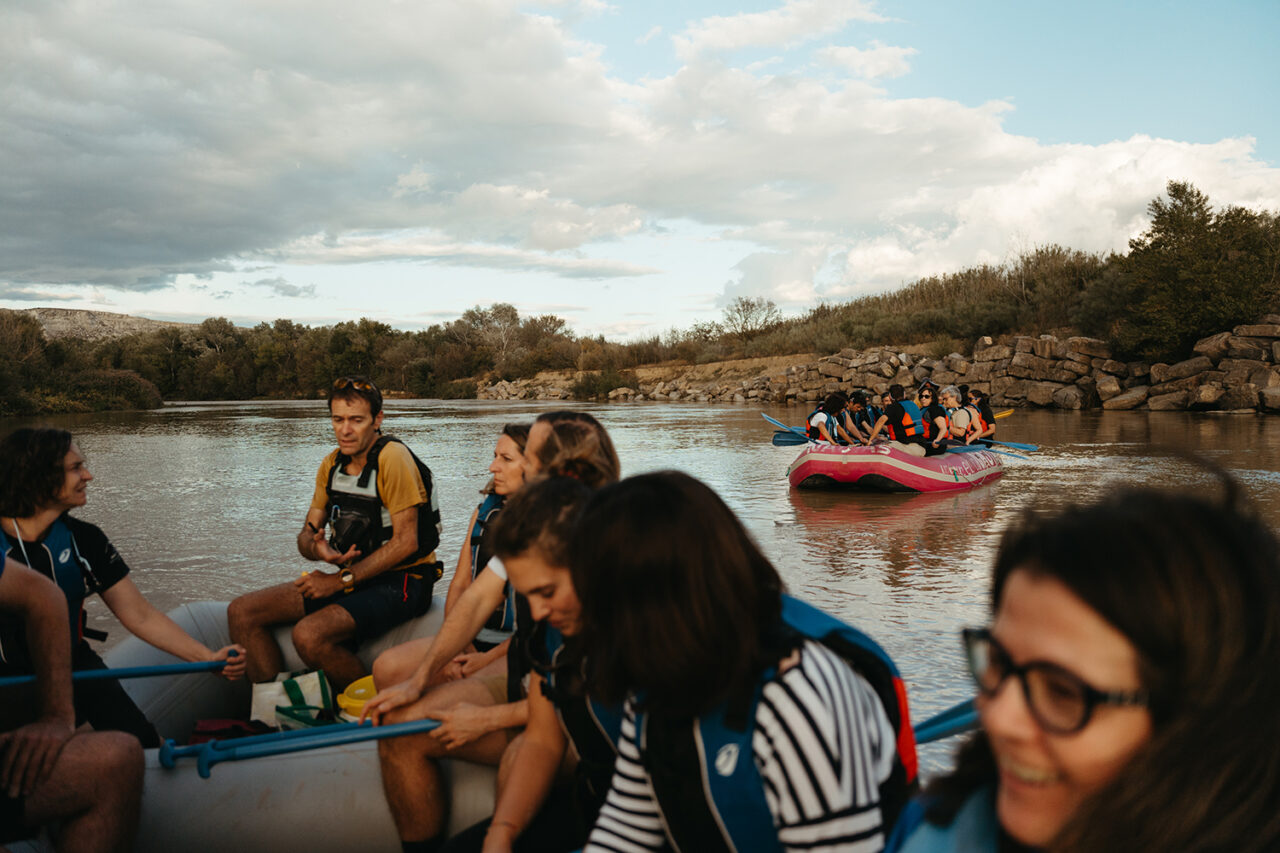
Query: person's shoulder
pixel 396 451
pixel 330 458
pixel 81 529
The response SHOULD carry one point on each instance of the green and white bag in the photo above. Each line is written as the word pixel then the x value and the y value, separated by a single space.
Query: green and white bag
pixel 295 700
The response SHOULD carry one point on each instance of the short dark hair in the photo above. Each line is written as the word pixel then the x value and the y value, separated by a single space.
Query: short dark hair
pixel 356 387
pixel 540 517
pixel 678 602
pixel 1194 584
pixel 896 391
pixel 833 403
pixel 31 469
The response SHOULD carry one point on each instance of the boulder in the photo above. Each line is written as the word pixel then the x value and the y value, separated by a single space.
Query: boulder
pixel 1138 369
pixel 1108 387
pixel 1009 388
pixel 942 378
pixel 831 368
pixel 1269 399
pixel 1075 367
pixel 1275 351
pixel 1041 393
pixel 982 371
pixel 956 363
pixel 1047 346
pixel 1131 399
pixel 1205 396
pixel 1266 378
pixel 1251 348
pixel 1116 368
pixel 993 352
pixel 1190 367
pixel 1069 397
pixel 1240 397
pixel 1174 402
pixel 1260 330
pixel 1159 373
pixel 1091 347
pixel 1213 347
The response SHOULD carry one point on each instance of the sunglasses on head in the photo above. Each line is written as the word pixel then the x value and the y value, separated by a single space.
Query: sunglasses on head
pixel 1060 701
pixel 345 382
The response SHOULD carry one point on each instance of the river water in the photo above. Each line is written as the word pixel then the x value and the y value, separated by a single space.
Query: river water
pixel 204 500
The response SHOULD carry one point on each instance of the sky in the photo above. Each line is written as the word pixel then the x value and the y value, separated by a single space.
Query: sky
pixel 631 167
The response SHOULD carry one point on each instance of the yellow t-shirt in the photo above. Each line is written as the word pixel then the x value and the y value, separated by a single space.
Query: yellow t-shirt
pixel 400 485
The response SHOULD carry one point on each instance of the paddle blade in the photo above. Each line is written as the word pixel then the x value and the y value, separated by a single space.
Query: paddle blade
pixel 788 439
pixel 1004 414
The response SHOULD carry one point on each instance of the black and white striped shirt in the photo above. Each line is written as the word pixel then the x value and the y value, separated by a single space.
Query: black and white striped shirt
pixel 823 746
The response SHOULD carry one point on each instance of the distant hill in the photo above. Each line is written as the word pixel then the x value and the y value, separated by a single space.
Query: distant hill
pixel 93 325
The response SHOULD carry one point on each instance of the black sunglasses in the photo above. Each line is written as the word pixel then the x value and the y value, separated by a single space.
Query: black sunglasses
pixel 1059 700
pixel 344 382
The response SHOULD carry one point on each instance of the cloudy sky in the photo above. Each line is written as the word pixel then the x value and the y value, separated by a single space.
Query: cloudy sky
pixel 630 166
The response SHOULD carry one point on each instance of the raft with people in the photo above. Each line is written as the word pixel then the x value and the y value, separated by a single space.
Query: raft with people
pixel 882 467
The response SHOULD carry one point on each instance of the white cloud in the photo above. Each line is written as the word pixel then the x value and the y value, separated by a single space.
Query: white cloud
pixel 281 287
pixel 794 22
pixel 143 140
pixel 879 60
pixel 653 33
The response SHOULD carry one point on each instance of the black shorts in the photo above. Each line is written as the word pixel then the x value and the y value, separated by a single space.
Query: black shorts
pixel 383 602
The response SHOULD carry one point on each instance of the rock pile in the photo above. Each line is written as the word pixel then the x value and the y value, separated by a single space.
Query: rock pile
pixel 1232 371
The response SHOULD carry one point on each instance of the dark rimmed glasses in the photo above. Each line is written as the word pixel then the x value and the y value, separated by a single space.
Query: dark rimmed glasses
pixel 1059 700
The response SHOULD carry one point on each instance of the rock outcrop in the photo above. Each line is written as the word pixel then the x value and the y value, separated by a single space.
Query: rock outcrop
pixel 1231 371
pixel 94 325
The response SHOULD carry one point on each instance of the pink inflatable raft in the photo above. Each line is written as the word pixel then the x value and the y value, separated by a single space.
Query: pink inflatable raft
pixel 885 469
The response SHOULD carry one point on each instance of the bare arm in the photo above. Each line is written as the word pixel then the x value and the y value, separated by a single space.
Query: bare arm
pixel 532 775
pixel 147 623
pixel 394 552
pixel 460 628
pixel 884 419
pixel 28 753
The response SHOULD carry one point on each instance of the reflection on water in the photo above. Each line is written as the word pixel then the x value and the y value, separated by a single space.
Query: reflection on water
pixel 204 501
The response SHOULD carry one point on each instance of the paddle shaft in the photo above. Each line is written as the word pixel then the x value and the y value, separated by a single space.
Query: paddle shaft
pixel 125 672
pixel 955 720
pixel 337 736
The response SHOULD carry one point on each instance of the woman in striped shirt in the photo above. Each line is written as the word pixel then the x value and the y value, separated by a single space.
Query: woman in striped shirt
pixel 753 721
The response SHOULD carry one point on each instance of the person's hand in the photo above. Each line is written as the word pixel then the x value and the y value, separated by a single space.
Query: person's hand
pixel 452 671
pixel 326 552
pixel 460 725
pixel 28 754
pixel 470 663
pixel 235 663
pixel 395 696
pixel 319 584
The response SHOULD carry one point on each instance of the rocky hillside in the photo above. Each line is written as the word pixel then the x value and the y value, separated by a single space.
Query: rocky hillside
pixel 93 325
pixel 1237 371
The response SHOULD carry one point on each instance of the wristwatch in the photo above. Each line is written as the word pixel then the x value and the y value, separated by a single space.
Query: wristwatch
pixel 348 580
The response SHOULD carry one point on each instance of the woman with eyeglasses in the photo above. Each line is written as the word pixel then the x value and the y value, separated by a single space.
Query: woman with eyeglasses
pixel 43 478
pixel 1126 686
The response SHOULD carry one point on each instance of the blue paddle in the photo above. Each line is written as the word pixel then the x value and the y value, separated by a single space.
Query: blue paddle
pixel 125 672
pixel 328 736
pixel 1014 444
pixel 782 438
pixel 783 427
pixel 953 721
pixel 170 752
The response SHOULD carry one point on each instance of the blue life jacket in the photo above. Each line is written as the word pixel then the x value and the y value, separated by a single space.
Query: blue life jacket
pixel 502 621
pixel 704 776
pixel 912 426
pixel 812 431
pixel 594 728
pixel 974 828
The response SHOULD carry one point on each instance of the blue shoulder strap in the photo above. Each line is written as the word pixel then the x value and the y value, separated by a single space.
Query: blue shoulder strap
pixel 913 412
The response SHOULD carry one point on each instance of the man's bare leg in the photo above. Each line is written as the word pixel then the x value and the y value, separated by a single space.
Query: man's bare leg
pixel 410 777
pixel 95 792
pixel 250 619
pixel 318 641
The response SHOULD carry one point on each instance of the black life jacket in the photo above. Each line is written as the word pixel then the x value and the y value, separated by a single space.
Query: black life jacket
pixel 355 501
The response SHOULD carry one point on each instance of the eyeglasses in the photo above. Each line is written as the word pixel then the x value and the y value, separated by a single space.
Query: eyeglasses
pixel 1059 700
pixel 925 395
pixel 345 382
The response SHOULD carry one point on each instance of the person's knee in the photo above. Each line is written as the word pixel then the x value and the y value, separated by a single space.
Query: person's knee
pixel 245 612
pixel 309 639
pixel 387 668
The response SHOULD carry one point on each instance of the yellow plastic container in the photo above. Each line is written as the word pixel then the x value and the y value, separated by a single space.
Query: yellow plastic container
pixel 351 701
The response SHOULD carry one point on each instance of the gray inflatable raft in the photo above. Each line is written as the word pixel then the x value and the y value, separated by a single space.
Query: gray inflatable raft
pixel 321 800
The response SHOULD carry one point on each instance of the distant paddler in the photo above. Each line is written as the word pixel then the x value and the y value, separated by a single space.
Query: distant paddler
pixel 43 477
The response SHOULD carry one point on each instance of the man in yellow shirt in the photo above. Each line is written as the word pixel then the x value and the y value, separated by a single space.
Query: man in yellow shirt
pixel 376 499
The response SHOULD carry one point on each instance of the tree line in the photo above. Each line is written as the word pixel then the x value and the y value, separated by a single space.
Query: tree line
pixel 1194 272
